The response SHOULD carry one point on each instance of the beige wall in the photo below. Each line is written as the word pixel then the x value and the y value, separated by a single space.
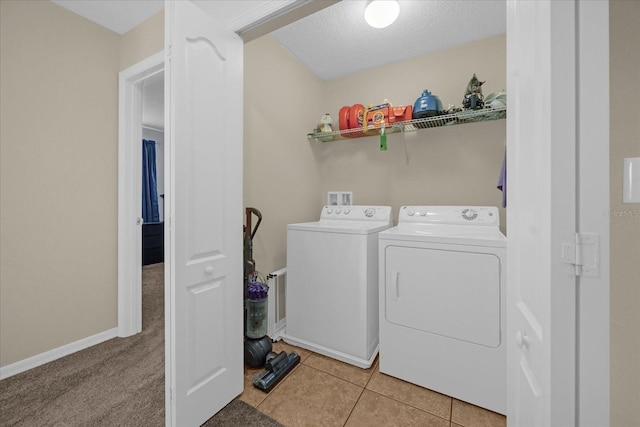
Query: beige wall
pixel 59 163
pixel 287 176
pixel 281 173
pixel 142 41
pixel 59 135
pixel 625 218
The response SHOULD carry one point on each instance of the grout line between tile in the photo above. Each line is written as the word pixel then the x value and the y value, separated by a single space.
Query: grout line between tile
pixel 329 373
pixel 354 407
pixel 373 371
pixel 340 378
pixel 415 407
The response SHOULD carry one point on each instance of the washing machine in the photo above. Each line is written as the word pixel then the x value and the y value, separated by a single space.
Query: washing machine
pixel 332 283
pixel 442 302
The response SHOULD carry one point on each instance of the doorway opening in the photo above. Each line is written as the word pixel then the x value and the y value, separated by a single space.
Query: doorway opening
pixel 141 116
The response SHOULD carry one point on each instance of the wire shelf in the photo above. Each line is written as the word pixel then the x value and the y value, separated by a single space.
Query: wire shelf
pixel 460 117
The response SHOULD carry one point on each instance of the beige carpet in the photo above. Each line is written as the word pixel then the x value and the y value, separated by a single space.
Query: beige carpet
pixel 117 383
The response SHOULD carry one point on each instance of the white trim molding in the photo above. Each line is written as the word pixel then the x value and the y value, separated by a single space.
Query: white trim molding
pixel 262 13
pixel 56 353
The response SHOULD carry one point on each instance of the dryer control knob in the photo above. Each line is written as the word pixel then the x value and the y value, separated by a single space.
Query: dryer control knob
pixel 369 212
pixel 469 214
pixel 410 212
pixel 329 210
pixel 346 211
pixel 423 213
pixel 338 211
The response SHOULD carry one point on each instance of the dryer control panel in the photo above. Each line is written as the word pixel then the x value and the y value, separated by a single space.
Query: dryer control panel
pixel 455 215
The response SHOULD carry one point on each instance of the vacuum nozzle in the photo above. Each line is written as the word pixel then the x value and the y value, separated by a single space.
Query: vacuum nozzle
pixel 276 369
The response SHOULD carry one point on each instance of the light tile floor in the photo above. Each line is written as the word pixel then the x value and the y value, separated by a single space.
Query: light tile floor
pixel 321 391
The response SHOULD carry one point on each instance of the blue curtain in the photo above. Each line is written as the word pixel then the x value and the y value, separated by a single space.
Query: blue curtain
pixel 149 185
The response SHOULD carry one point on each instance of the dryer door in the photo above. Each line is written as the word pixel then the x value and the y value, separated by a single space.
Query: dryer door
pixel 449 292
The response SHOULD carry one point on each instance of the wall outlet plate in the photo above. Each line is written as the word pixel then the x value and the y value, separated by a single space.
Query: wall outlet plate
pixel 340 198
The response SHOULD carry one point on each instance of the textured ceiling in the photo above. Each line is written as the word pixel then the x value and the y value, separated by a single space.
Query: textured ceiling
pixel 336 41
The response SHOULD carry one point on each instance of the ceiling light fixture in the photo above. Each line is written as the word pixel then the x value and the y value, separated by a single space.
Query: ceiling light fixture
pixel 381 13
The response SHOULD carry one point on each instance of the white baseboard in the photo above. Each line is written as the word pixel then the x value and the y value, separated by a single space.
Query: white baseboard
pixel 56 353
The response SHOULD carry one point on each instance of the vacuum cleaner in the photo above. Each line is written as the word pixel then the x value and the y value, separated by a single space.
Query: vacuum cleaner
pixel 257 344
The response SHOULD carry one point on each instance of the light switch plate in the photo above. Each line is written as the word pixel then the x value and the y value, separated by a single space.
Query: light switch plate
pixel 631 177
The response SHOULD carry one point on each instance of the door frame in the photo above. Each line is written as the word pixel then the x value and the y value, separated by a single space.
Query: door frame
pixel 130 192
pixel 593 174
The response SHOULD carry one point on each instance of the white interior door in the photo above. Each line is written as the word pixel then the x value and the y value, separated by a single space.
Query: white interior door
pixel 558 148
pixel 541 150
pixel 203 104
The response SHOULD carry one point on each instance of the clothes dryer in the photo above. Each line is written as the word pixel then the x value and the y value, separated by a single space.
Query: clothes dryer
pixel 442 302
pixel 332 283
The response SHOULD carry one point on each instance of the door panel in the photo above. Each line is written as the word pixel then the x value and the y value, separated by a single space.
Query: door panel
pixel 204 336
pixel 203 74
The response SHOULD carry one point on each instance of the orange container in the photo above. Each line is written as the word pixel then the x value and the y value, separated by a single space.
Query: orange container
pixel 387 114
pixel 401 113
pixel 375 117
pixel 343 117
pixel 356 118
pixel 351 117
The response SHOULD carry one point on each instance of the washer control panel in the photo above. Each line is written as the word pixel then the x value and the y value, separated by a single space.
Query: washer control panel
pixel 359 213
pixel 462 215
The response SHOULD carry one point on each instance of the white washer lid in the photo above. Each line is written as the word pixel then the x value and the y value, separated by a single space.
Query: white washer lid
pixel 349 220
pixel 344 227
